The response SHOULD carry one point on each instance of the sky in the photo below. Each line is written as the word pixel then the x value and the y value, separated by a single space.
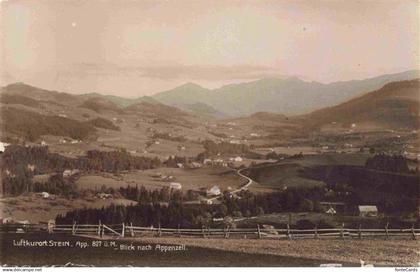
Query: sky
pixel 134 48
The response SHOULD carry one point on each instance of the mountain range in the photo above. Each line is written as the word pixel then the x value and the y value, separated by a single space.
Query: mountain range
pixel 288 96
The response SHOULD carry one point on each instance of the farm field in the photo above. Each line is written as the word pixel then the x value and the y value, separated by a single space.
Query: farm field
pixel 189 179
pixel 288 172
pixel 36 209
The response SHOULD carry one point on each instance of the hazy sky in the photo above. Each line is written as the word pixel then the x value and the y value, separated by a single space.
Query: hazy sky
pixel 133 48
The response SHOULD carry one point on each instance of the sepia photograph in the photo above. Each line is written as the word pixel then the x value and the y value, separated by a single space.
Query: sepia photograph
pixel 198 133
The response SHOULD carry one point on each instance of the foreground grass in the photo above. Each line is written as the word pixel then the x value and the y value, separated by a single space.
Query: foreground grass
pixel 372 251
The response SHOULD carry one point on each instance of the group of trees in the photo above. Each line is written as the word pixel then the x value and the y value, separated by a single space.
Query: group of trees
pixel 213 148
pixel 116 161
pixel 103 123
pixel 391 163
pixel 57 185
pixel 20 164
pixel 144 196
pixel 173 212
pixel 167 136
pixel 31 125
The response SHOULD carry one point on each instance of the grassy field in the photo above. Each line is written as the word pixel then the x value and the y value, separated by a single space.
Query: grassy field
pixel 188 178
pixel 287 173
pixel 377 252
pixel 193 255
pixel 35 209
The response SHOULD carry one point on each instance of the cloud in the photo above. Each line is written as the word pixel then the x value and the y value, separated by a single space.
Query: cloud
pixel 171 72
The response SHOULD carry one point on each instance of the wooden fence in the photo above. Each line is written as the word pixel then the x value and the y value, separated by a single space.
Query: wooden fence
pixel 124 230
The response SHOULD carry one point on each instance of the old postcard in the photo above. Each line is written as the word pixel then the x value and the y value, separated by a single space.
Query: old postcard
pixel 195 133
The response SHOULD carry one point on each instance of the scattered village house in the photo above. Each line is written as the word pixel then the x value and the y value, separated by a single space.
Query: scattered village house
pixel 175 186
pixel 3 146
pixel 45 195
pixel 214 191
pixel 195 165
pixel 238 159
pixel 70 172
pixel 31 167
pixel 368 211
pixel 333 207
pixel 104 196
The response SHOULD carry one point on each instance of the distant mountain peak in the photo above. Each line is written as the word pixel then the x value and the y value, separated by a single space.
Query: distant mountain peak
pixel 190 85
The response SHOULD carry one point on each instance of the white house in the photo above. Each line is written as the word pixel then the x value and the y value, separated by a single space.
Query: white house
pixel 238 159
pixel 368 210
pixel 7 220
pixel 3 146
pixel 207 161
pixel 104 195
pixel 68 172
pixel 175 186
pixel 331 211
pixel 43 143
pixel 45 195
pixel 214 191
pixel 31 167
pixel 195 165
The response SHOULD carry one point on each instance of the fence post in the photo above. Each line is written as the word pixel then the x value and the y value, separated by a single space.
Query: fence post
pixel 179 231
pixel 159 231
pixel 316 232
pixel 202 231
pixel 412 232
pixel 228 232
pixel 132 230
pixel 342 231
pixel 288 232
pixel 259 232
pixel 386 230
pixel 73 229
pixel 360 231
pixel 123 230
pixel 99 228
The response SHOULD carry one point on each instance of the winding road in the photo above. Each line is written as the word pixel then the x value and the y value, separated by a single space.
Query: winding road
pixel 243 187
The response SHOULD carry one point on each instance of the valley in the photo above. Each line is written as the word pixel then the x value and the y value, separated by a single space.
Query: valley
pixel 92 151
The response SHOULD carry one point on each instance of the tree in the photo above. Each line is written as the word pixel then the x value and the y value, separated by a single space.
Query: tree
pixel 306 205
pixel 260 211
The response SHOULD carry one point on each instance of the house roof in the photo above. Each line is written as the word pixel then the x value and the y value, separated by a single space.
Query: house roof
pixel 368 208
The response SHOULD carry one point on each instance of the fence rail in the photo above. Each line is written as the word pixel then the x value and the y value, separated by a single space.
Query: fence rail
pixel 123 230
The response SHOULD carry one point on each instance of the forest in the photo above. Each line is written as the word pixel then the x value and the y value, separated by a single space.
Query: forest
pixel 20 164
pixel 175 212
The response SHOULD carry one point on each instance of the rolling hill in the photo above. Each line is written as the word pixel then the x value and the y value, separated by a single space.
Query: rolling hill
pixel 395 105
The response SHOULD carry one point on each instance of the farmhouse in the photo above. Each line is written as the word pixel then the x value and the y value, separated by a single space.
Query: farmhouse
pixel 194 165
pixel 104 196
pixel 70 172
pixel 7 220
pixel 3 146
pixel 368 211
pixel 175 186
pixel 207 161
pixel 214 191
pixel 31 167
pixel 45 195
pixel 238 159
pixel 331 211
